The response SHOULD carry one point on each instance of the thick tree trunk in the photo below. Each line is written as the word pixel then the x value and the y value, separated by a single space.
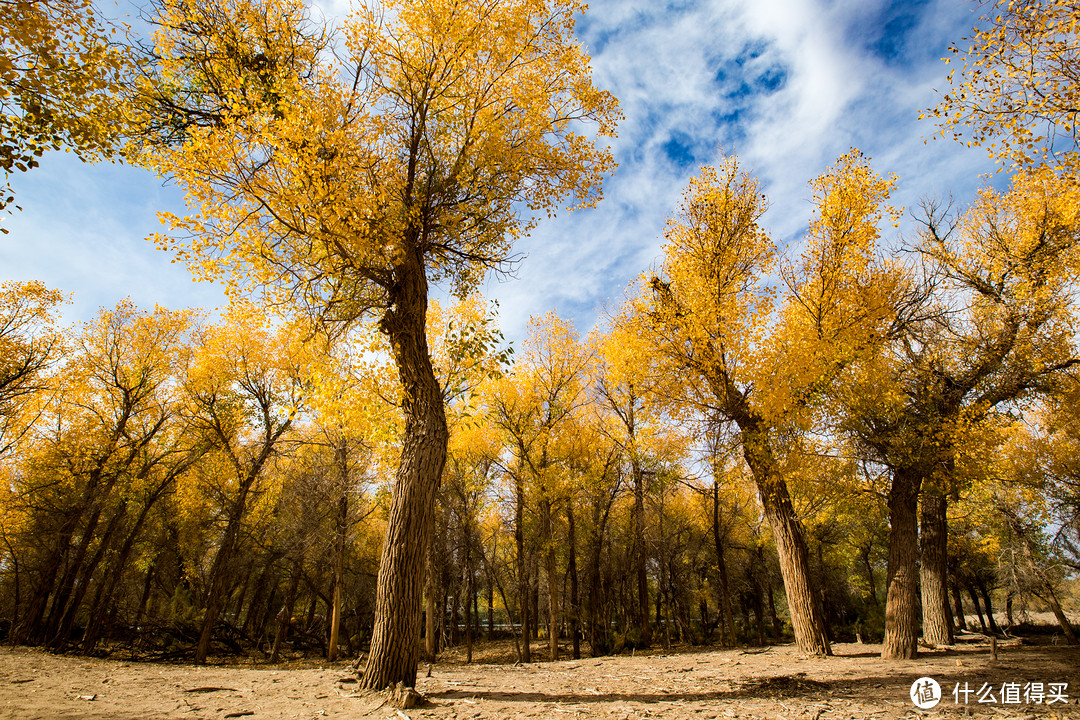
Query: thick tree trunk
pixel 901 603
pixel 395 641
pixel 804 602
pixel 934 570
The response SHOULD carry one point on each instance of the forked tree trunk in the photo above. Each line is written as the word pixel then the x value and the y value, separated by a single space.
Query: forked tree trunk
pixel 395 641
pixel 901 603
pixel 934 570
pixel 804 602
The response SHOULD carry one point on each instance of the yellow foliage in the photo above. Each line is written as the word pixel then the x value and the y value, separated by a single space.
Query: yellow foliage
pixel 1016 91
pixel 59 83
pixel 322 177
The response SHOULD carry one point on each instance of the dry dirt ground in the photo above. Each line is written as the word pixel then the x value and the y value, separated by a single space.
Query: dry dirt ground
pixel 742 683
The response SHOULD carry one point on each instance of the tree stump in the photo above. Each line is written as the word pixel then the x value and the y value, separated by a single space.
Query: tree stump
pixel 403 697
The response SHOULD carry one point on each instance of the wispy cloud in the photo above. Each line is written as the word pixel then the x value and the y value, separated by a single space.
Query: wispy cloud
pixel 787 84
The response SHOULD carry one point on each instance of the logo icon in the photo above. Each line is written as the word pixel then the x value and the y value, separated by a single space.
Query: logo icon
pixel 925 693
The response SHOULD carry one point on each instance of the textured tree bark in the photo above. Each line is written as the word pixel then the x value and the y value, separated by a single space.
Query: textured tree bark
pixel 804 602
pixel 901 603
pixel 395 641
pixel 934 570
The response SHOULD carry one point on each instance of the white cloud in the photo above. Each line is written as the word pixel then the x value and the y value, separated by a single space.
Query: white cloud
pixel 788 84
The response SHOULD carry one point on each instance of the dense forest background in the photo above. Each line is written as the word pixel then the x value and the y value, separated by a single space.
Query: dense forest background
pixel 861 436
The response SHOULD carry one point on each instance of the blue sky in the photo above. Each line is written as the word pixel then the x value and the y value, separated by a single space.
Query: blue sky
pixel 789 85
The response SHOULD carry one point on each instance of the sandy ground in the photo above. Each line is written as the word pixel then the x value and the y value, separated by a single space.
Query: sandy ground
pixel 744 683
